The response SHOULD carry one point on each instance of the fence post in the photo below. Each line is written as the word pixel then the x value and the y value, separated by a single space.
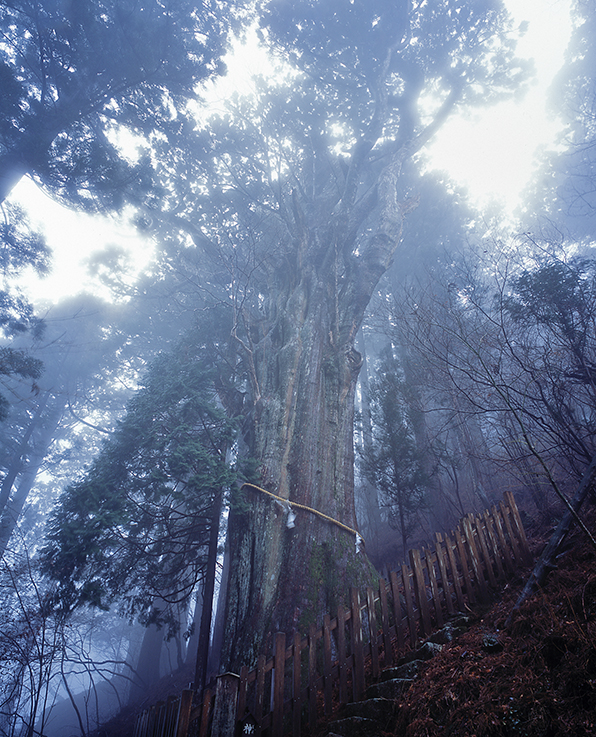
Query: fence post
pixel 279 665
pixel 512 537
pixel 205 709
pixel 440 553
pixel 260 691
pixel 357 645
pixel 527 555
pixel 341 654
pixel 405 574
pixel 420 588
pixel 474 557
pixel 480 530
pixel 461 548
pixel 373 631
pixel 434 588
pixel 496 515
pixel 387 644
pixel 296 684
pixel 224 710
pixel 184 709
pixel 494 545
pixel 312 676
pixel 327 665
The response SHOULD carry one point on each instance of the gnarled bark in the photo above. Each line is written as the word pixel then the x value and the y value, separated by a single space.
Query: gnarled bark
pixel 304 374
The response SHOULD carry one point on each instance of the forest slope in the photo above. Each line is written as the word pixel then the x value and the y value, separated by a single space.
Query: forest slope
pixel 542 681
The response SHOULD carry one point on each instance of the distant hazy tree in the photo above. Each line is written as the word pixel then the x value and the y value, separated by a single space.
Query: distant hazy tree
pixel 565 194
pixel 77 399
pixel 554 304
pixel 518 351
pixel 437 234
pixel 394 461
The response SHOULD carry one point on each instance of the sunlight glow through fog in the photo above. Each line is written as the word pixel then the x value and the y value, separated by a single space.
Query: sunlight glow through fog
pixel 77 242
pixel 492 152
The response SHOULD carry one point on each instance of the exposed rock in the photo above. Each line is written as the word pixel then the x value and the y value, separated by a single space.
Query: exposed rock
pixel 450 631
pixel 427 651
pixel 491 643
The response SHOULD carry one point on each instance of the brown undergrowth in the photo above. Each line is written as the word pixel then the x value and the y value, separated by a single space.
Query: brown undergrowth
pixel 538 678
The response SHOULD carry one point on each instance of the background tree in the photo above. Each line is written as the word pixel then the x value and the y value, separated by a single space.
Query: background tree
pixel 516 352
pixel 142 526
pixel 393 460
pixel 439 234
pixel 76 400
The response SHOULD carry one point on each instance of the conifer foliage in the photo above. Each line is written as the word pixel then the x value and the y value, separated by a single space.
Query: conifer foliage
pixel 136 526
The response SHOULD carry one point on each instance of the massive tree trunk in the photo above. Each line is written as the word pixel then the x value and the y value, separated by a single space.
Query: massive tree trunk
pixel 334 238
pixel 282 578
pixel 304 369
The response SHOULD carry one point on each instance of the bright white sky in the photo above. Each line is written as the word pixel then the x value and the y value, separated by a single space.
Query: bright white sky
pixel 492 153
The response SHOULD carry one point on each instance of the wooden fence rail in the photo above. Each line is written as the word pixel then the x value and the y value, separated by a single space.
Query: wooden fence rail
pixel 310 676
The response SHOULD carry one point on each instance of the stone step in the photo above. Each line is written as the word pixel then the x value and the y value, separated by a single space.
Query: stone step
pixel 354 727
pixel 426 651
pixel 379 709
pixel 392 689
pixel 374 715
pixel 407 670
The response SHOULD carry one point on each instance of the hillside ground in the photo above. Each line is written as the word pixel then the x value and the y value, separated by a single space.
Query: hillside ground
pixel 536 678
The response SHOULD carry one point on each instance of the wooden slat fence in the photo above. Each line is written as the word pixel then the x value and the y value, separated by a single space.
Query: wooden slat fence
pixel 169 718
pixel 311 676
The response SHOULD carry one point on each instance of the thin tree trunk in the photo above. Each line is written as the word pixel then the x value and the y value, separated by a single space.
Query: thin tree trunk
pixel 13 509
pixel 214 661
pixel 12 170
pixel 146 671
pixel 193 640
pixel 17 463
pixel 208 592
pixel 373 522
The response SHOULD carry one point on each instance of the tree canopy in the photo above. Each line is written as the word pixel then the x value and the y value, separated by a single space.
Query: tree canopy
pixel 73 73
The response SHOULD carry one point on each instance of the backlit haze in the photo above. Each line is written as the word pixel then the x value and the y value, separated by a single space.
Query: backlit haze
pixel 491 152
